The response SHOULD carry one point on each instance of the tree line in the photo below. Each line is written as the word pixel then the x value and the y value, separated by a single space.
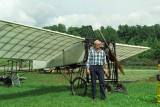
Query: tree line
pixel 133 35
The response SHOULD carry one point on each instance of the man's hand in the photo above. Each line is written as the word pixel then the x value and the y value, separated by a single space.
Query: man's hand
pixel 88 71
pixel 106 71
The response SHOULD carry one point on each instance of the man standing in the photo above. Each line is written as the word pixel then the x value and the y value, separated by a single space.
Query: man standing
pixel 95 62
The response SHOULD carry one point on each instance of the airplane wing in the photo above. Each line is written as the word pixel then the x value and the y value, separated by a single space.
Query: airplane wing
pixel 25 42
pixel 124 51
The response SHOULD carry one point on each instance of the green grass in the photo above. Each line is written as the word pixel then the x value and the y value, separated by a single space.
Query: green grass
pixel 54 90
pixel 139 75
pixel 141 67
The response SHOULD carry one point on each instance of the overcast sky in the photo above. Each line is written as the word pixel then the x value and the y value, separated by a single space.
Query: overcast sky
pixel 97 13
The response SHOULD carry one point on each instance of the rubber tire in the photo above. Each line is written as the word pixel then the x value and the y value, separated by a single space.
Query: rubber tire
pixel 122 87
pixel 109 88
pixel 85 86
pixel 7 81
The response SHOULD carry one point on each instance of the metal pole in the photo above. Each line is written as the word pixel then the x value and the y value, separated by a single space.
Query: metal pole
pixel 29 65
pixel 8 65
pixel 16 66
pixel 12 66
pixel 19 64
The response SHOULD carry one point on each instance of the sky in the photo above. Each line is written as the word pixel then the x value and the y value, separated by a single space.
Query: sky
pixel 40 13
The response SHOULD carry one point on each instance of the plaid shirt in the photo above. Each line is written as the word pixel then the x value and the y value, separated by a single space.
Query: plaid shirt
pixel 96 58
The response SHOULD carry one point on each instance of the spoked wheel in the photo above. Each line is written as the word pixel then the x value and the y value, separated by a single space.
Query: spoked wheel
pixel 79 86
pixel 7 81
pixel 109 88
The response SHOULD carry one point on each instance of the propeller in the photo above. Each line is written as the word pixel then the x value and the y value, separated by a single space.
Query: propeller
pixel 110 51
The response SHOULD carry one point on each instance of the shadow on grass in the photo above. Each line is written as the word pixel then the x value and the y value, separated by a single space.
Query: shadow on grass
pixel 89 95
pixel 89 92
pixel 36 92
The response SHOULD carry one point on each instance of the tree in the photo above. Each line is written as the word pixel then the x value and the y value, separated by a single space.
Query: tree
pixel 134 35
pixel 110 34
pixel 60 28
pixel 73 31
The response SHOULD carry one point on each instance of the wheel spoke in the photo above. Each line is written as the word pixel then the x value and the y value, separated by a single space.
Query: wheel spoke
pixel 79 86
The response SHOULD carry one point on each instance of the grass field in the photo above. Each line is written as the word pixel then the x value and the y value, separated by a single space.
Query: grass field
pixel 141 67
pixel 53 90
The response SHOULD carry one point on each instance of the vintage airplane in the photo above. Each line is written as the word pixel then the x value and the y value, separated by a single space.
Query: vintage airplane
pixel 51 49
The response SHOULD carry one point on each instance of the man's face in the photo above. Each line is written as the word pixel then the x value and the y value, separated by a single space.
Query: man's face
pixel 97 45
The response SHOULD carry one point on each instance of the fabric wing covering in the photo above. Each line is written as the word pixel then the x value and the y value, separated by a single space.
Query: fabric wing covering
pixel 124 51
pixel 25 42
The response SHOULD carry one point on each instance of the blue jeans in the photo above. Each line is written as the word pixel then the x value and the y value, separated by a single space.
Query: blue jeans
pixel 97 70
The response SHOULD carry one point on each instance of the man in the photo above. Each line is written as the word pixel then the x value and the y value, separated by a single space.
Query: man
pixel 95 62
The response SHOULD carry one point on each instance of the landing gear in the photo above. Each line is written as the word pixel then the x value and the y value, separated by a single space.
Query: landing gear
pixel 109 88
pixel 122 87
pixel 117 87
pixel 7 81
